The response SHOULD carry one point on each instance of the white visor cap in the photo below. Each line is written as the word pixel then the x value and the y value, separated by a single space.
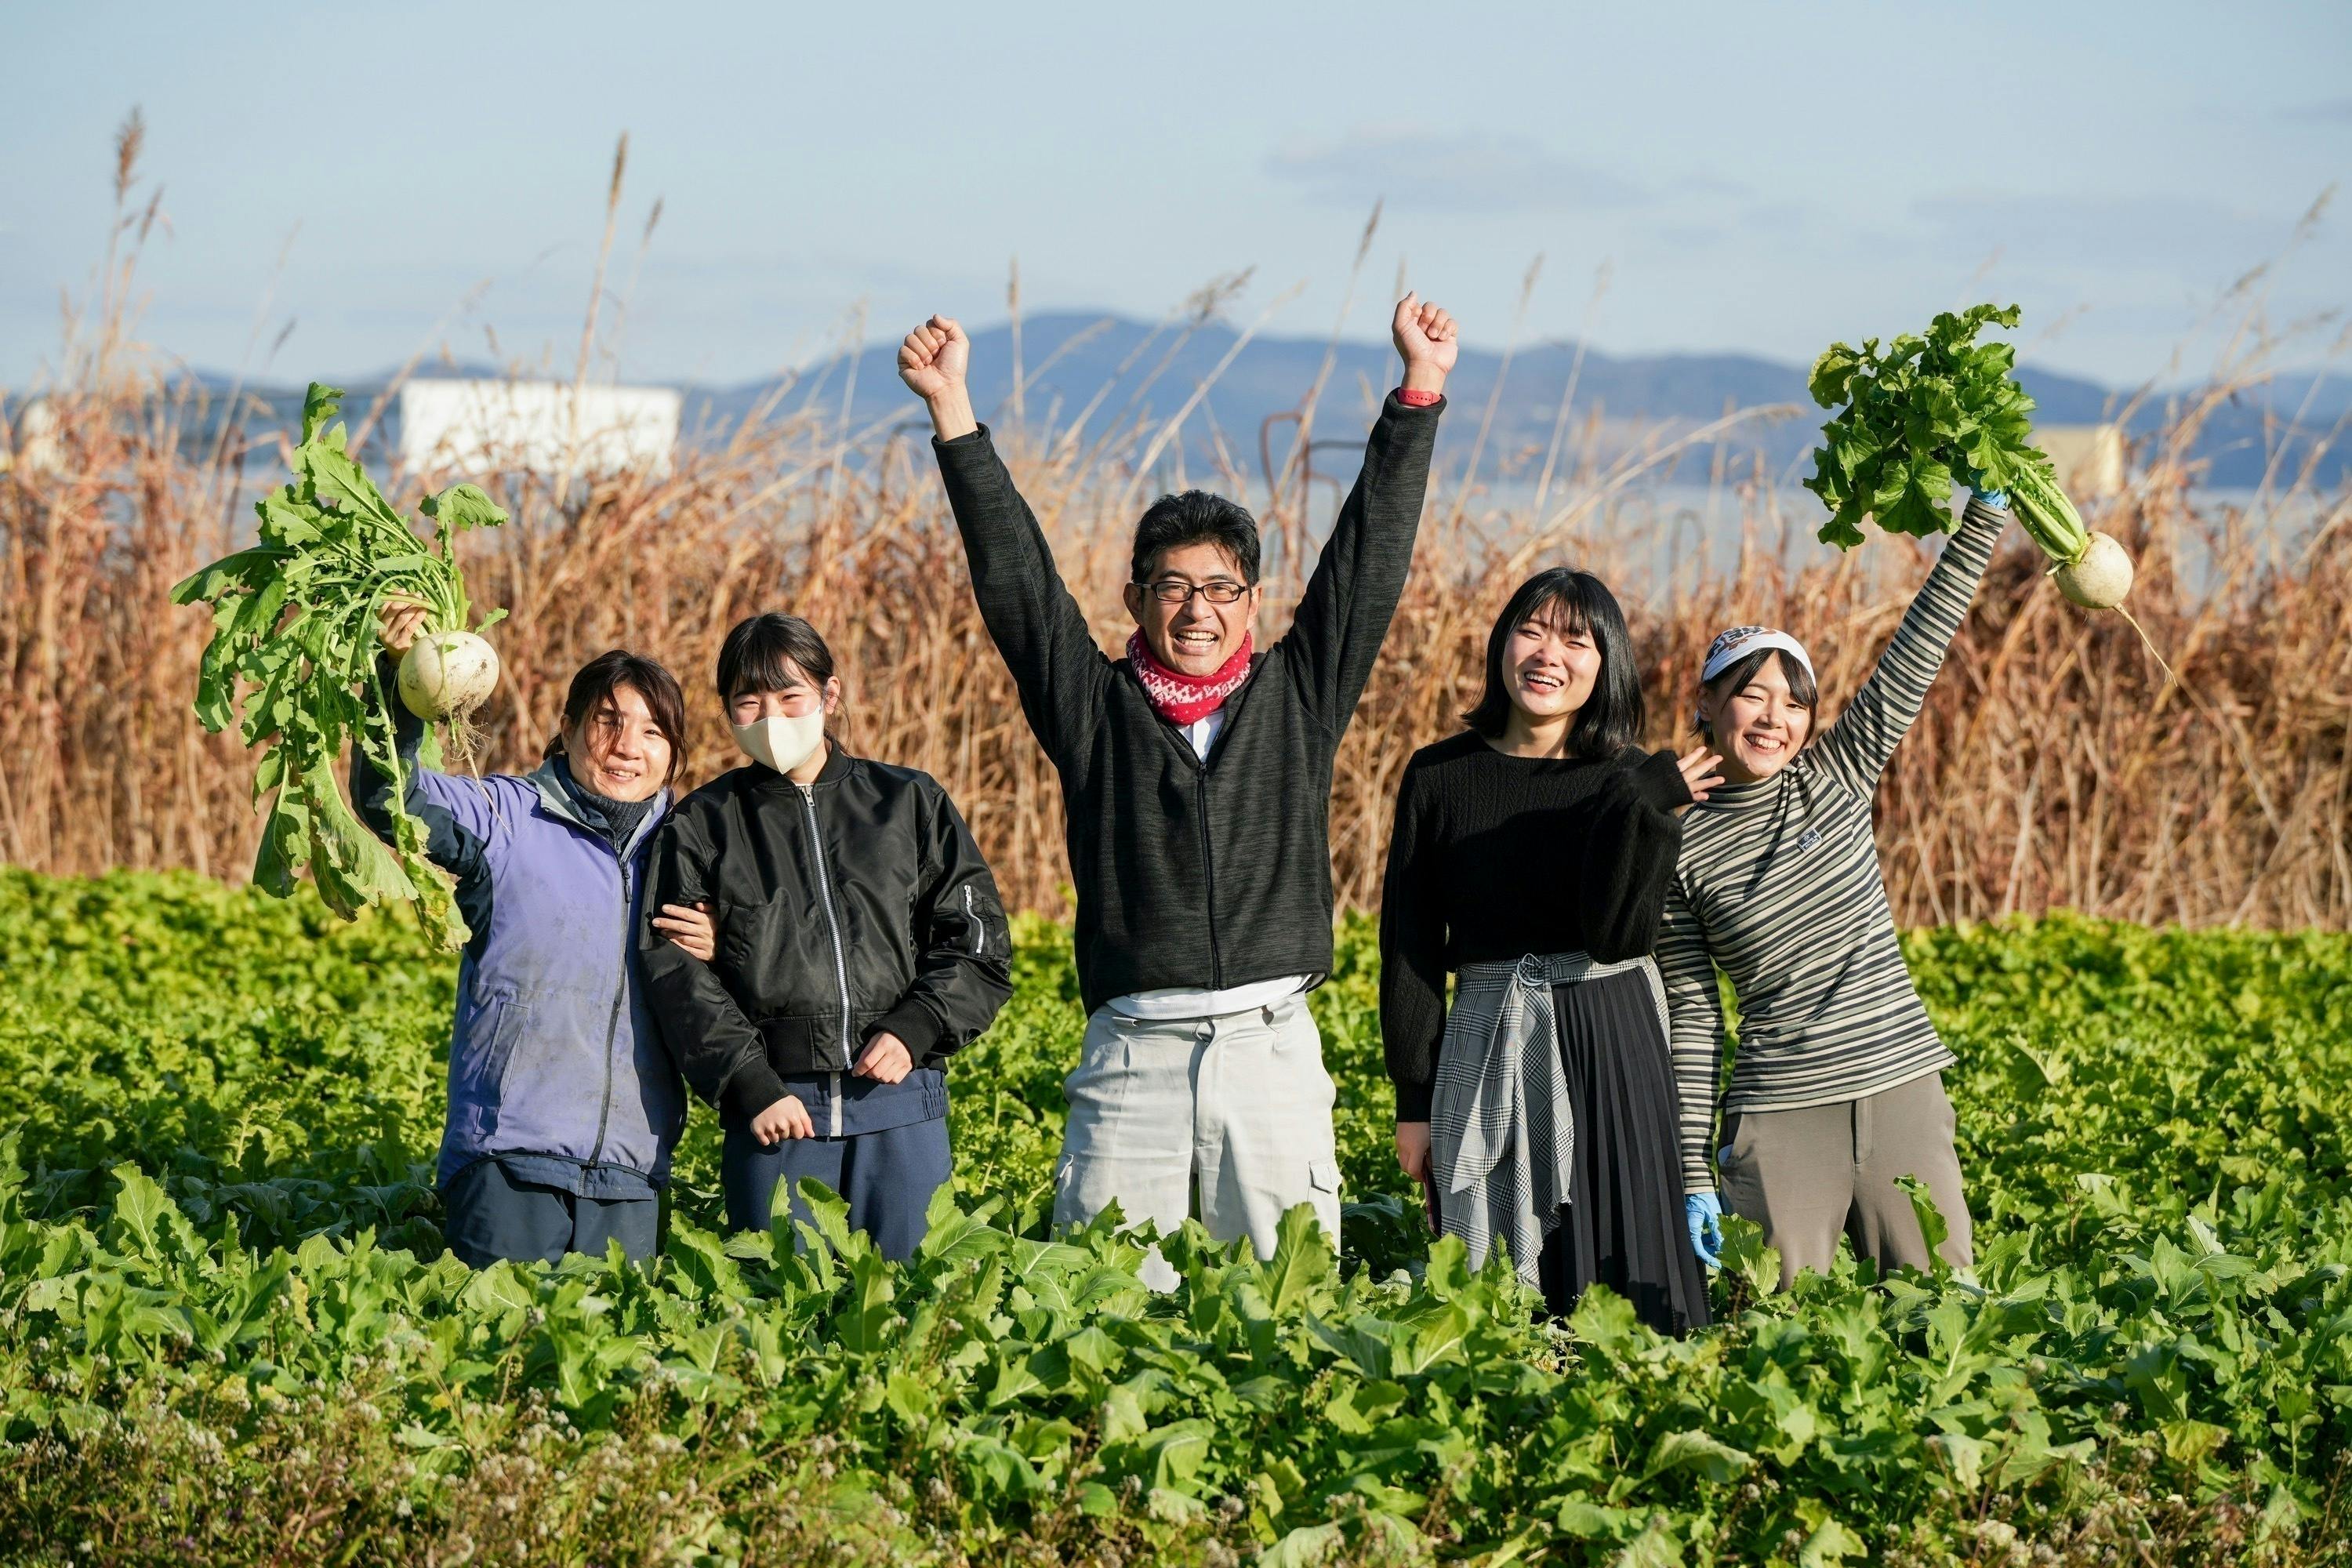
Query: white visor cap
pixel 1736 644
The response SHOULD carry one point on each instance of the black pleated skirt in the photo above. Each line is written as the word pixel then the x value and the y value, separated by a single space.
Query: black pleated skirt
pixel 1623 1226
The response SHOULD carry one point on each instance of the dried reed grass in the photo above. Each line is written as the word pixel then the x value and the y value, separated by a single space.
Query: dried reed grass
pixel 2056 764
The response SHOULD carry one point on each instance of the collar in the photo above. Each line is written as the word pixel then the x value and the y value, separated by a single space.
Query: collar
pixel 837 766
pixel 556 801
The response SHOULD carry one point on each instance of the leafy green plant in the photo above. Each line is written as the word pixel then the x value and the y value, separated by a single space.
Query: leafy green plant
pixel 294 620
pixel 220 1265
pixel 1929 408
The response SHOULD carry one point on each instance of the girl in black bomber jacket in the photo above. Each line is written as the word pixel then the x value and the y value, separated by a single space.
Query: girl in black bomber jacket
pixel 856 942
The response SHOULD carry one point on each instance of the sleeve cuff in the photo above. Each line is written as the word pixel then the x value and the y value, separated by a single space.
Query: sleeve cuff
pixel 1988 509
pixel 1412 1102
pixel 974 439
pixel 752 1090
pixel 912 1023
pixel 1660 783
pixel 1696 1179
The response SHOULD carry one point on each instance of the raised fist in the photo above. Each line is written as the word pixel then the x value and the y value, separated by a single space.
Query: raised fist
pixel 1428 340
pixel 933 359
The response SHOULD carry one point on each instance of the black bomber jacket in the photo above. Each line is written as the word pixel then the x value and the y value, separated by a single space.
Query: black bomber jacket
pixel 845 908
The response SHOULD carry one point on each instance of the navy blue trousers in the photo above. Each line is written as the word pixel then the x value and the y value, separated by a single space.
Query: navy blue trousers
pixel 493 1215
pixel 889 1177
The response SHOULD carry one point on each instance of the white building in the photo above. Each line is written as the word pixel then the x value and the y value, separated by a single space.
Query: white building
pixel 545 427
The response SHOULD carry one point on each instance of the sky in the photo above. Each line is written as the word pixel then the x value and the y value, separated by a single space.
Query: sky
pixel 344 187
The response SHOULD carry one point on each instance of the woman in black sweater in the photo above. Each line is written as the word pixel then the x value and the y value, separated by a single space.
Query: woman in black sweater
pixel 1531 856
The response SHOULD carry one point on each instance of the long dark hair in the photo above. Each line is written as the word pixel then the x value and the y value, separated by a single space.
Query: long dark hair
pixel 599 681
pixel 1611 719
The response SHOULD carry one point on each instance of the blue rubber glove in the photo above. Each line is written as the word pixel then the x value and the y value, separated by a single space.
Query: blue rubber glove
pixel 1997 499
pixel 1705 1213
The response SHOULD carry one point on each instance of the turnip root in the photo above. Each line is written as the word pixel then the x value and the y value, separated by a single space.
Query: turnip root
pixel 447 675
pixel 2100 579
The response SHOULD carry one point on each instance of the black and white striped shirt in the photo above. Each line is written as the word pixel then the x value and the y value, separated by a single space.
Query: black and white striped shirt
pixel 1779 883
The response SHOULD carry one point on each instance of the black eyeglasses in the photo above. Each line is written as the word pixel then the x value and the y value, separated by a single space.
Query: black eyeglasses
pixel 1169 591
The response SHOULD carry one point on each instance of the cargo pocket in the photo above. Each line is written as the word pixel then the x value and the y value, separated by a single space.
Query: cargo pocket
pixel 1323 1181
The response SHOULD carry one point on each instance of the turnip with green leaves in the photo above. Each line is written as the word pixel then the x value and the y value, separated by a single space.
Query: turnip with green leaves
pixel 447 675
pixel 1932 408
pixel 294 624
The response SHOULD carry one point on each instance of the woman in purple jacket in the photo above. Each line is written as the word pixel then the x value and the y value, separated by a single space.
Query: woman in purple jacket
pixel 563 1105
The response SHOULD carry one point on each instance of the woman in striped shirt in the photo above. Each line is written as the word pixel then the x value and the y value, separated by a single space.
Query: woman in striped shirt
pixel 1838 1090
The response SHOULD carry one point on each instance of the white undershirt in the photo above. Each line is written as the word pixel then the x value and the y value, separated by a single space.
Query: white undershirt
pixel 1193 1001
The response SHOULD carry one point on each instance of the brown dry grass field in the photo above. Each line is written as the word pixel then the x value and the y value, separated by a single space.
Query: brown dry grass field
pixel 2058 762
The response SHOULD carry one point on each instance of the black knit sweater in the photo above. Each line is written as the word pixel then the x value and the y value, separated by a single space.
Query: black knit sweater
pixel 1212 873
pixel 1495 856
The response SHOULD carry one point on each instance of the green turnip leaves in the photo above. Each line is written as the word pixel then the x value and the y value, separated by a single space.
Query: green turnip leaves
pixel 1925 411
pixel 294 629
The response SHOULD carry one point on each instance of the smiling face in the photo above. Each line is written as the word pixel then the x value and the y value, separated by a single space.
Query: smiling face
pixel 619 751
pixel 795 698
pixel 1758 723
pixel 1551 663
pixel 1194 634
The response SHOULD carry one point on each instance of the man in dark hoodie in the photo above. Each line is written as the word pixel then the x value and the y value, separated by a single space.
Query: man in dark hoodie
pixel 1196 779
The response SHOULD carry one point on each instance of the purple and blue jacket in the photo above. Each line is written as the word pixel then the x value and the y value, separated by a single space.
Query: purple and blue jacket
pixel 556 1066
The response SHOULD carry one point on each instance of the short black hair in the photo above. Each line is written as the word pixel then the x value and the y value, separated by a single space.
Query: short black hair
pixel 1801 688
pixel 599 681
pixel 1611 719
pixel 759 651
pixel 1193 518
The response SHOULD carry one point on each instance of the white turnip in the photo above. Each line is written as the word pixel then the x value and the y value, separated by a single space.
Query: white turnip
pixel 447 675
pixel 2100 579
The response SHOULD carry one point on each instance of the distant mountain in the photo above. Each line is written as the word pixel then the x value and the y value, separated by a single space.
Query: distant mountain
pixel 1129 369
pixel 1069 359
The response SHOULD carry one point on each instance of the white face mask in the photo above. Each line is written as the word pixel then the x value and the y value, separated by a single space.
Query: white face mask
pixel 782 743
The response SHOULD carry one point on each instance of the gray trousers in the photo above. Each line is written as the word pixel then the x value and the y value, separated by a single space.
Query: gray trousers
pixel 1238 1106
pixel 1808 1176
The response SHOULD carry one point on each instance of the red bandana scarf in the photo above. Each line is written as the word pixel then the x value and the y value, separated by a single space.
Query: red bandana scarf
pixel 1183 699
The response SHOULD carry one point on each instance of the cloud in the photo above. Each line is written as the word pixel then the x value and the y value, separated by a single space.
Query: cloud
pixel 1448 172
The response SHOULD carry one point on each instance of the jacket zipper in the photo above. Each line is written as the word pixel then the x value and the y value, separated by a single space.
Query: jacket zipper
pixel 833 925
pixel 979 933
pixel 1208 884
pixel 612 1025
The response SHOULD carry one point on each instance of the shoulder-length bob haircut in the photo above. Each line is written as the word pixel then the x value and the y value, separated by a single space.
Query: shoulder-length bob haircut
pixel 1611 719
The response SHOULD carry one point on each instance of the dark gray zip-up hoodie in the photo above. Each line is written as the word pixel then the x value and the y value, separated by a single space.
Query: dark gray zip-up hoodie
pixel 1189 873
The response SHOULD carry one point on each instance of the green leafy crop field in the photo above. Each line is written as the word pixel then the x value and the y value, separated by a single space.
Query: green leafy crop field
pixel 227 1333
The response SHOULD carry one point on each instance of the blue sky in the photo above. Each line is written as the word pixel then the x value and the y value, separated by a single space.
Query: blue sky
pixel 1752 177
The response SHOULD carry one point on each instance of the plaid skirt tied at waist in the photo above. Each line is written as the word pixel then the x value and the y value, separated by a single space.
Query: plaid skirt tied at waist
pixel 1502 1137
